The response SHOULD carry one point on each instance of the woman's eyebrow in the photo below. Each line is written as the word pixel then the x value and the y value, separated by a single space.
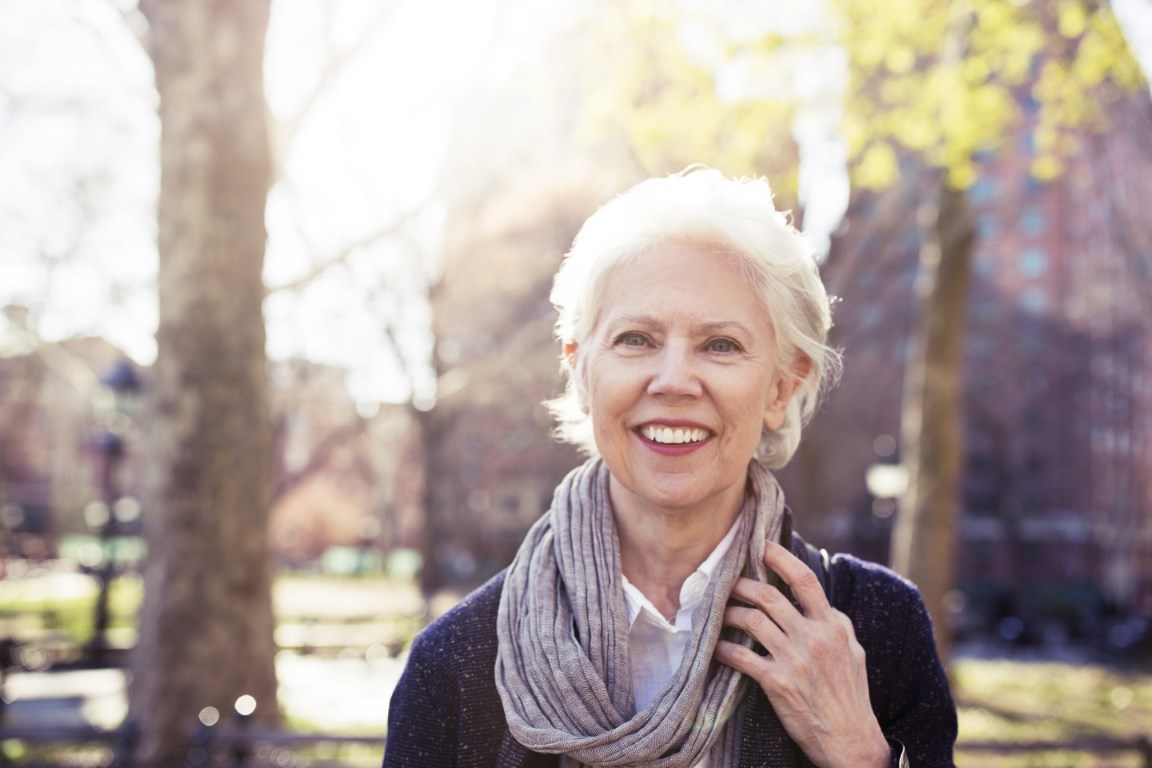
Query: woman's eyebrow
pixel 718 326
pixel 710 326
pixel 645 321
pixel 706 328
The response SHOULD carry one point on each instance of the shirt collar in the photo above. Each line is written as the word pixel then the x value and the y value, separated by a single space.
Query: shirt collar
pixel 691 592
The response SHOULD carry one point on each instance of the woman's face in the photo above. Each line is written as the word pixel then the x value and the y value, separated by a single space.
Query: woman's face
pixel 679 375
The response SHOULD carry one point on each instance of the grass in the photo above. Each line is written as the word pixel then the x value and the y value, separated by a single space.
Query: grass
pixel 1003 701
pixel 1010 701
pixel 28 609
pixel 31 608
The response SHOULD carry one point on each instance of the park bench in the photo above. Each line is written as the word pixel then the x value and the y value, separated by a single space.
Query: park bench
pixel 245 745
pixel 115 747
pixel 338 634
pixel 1087 745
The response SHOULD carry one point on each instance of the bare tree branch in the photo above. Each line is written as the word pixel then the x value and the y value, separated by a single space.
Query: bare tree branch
pixel 132 16
pixel 341 257
pixel 335 62
pixel 320 456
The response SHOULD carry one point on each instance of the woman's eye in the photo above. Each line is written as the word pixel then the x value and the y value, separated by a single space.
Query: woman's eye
pixel 631 340
pixel 723 346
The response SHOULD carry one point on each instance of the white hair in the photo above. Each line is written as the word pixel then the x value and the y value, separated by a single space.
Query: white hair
pixel 702 206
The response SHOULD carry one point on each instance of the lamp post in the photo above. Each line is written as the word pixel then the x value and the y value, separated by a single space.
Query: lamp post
pixel 121 385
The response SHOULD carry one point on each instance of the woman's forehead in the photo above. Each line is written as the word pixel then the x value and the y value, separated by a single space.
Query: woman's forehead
pixel 683 292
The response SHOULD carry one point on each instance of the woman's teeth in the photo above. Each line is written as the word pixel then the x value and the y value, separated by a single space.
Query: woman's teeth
pixel 673 435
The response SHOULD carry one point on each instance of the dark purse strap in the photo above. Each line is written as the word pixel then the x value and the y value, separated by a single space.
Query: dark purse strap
pixel 817 558
pixel 821 564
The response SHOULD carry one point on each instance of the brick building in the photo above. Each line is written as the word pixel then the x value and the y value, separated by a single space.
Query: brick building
pixel 1057 368
pixel 53 411
pixel 1057 508
pixel 342 478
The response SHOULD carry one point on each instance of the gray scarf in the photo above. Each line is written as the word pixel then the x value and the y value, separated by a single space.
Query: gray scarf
pixel 563 670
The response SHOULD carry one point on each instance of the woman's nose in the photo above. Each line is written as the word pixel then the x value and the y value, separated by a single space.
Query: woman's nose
pixel 675 373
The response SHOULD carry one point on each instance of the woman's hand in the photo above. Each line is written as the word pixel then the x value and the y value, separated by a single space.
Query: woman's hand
pixel 814 673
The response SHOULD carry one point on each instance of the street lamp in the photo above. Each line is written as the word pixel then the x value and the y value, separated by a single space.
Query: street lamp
pixel 121 384
pixel 886 483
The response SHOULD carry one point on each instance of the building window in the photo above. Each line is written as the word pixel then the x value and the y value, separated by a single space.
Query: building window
pixel 985 304
pixel 510 506
pixel 983 191
pixel 1033 262
pixel 1032 222
pixel 987 226
pixel 1032 338
pixel 985 263
pixel 869 317
pixel 910 241
pixel 1037 382
pixel 1034 300
pixel 979 346
pixel 1029 103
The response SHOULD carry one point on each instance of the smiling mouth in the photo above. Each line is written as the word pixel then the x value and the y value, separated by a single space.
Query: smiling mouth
pixel 674 435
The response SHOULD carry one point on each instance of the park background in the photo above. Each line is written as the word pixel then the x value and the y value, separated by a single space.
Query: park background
pixel 276 276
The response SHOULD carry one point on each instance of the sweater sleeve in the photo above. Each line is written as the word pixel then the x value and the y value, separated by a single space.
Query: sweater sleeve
pixel 907 683
pixel 445 711
pixel 423 716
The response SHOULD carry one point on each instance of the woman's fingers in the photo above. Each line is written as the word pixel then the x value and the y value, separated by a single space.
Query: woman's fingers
pixel 756 624
pixel 744 660
pixel 771 601
pixel 814 673
pixel 803 581
pixel 767 601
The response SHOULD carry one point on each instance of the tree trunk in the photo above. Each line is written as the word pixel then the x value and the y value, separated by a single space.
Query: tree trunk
pixel 206 622
pixel 932 440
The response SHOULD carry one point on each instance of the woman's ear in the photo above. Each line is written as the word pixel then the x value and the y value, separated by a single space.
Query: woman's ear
pixel 576 374
pixel 787 383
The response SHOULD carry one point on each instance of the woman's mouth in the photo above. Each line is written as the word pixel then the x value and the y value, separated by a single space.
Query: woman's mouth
pixel 674 435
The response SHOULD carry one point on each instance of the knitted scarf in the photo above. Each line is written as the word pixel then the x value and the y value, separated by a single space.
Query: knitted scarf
pixel 563 671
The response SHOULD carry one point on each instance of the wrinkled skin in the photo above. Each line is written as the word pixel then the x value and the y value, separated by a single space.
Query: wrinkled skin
pixel 814 672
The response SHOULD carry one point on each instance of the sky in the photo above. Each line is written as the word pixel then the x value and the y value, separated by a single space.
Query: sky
pixel 84 257
pixel 1136 17
pixel 78 135
pixel 79 146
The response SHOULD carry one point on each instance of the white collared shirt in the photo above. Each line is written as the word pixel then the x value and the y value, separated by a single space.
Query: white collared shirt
pixel 656 646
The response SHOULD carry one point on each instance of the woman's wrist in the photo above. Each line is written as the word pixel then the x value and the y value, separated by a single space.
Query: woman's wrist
pixel 875 753
pixel 863 753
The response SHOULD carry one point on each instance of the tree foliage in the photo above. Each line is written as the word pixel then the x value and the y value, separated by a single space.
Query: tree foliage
pixel 653 80
pixel 908 93
pixel 945 84
pixel 924 90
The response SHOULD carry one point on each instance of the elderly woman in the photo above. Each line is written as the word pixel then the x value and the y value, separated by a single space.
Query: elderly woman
pixel 661 613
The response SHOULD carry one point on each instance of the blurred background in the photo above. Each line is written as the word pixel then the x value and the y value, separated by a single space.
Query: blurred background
pixel 371 356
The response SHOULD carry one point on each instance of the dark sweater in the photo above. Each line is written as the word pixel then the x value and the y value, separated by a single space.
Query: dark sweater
pixel 446 712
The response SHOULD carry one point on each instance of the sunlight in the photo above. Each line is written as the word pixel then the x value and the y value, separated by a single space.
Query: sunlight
pixel 354 160
pixel 366 153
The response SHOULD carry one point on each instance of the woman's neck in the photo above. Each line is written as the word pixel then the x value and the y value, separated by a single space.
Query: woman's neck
pixel 660 549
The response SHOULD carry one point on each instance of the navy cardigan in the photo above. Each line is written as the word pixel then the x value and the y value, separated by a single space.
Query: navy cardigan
pixel 445 710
